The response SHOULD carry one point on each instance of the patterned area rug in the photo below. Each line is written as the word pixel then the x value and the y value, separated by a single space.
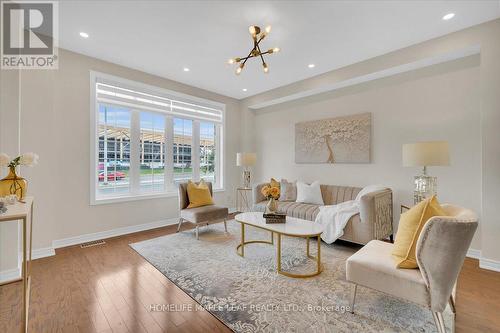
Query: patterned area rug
pixel 249 296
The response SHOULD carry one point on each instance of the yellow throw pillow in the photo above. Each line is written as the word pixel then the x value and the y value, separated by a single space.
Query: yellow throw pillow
pixel 199 195
pixel 410 225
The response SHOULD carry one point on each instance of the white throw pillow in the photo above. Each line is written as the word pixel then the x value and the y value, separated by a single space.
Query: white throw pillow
pixel 310 194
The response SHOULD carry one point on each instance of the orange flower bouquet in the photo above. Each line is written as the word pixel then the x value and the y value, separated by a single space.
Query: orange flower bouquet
pixel 272 193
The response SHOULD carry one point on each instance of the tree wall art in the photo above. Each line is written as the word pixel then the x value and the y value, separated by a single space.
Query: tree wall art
pixel 334 140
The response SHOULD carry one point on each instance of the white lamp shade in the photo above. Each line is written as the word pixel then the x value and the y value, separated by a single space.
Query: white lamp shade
pixel 430 153
pixel 246 159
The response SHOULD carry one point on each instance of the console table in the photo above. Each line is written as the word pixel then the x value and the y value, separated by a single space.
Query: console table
pixel 22 211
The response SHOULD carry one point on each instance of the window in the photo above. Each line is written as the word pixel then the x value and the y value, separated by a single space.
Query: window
pixel 146 140
pixel 114 150
pixel 183 143
pixel 207 151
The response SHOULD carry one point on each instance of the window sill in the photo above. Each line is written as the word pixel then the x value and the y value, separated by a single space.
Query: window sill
pixel 127 198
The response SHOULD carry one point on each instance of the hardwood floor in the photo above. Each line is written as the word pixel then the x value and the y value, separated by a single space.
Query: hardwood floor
pixel 110 288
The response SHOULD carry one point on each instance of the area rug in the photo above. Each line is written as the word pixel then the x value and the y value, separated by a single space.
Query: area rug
pixel 247 294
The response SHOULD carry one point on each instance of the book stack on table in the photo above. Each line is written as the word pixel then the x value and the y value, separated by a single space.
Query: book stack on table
pixel 275 217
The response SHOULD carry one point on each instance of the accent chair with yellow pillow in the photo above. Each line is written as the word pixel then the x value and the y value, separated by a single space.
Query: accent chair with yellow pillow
pixel 410 225
pixel 197 206
pixel 442 242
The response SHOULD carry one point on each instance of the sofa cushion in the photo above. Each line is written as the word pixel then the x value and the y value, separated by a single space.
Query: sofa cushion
pixel 288 190
pixel 204 214
pixel 309 193
pixel 333 194
pixel 293 209
pixel 372 266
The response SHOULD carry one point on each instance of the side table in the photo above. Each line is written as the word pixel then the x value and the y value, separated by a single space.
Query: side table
pixel 243 199
pixel 23 212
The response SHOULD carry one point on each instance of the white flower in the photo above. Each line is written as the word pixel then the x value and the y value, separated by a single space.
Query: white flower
pixel 4 160
pixel 29 159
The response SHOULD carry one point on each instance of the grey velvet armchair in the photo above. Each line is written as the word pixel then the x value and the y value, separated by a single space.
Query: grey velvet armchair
pixel 200 215
pixel 440 253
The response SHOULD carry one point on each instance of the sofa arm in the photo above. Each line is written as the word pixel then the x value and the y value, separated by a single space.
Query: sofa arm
pixel 376 208
pixel 256 193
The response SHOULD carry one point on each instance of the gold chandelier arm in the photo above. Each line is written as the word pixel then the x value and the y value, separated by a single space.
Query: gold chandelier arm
pixel 260 54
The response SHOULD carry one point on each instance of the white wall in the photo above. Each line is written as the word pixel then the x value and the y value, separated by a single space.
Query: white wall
pixel 55 123
pixel 9 144
pixel 436 103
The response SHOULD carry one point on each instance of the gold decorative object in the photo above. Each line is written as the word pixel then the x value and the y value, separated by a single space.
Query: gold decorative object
pixel 13 184
pixel 257 37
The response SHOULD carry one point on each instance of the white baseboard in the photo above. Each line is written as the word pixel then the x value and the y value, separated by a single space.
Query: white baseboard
pixel 58 243
pixel 489 264
pixel 484 263
pixel 42 253
pixel 473 253
pixel 10 274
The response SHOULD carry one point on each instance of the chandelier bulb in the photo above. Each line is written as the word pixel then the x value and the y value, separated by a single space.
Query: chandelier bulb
pixel 266 69
pixel 276 49
pixel 254 30
pixel 268 29
pixel 231 61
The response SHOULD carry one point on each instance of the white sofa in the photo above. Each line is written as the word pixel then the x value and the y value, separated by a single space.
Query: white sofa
pixel 373 222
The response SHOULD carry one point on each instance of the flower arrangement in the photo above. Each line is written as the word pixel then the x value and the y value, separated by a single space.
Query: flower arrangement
pixel 270 192
pixel 26 159
pixel 13 184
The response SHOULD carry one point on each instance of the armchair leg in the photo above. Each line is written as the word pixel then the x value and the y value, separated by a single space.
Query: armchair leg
pixel 179 226
pixel 439 321
pixel 225 225
pixel 197 233
pixel 451 301
pixel 353 297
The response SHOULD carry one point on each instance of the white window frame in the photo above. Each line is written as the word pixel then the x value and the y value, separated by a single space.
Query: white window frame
pixel 169 191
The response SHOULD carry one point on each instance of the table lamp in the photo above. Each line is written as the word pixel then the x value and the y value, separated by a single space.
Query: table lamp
pixel 424 154
pixel 246 160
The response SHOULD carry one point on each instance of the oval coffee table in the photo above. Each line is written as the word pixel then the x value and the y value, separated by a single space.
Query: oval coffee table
pixel 293 227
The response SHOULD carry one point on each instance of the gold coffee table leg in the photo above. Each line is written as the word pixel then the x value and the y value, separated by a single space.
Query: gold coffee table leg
pixel 319 267
pixel 279 253
pixel 243 243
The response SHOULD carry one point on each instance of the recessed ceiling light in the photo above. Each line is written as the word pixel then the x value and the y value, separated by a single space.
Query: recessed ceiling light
pixel 186 69
pixel 244 89
pixel 84 34
pixel 448 16
pixel 311 65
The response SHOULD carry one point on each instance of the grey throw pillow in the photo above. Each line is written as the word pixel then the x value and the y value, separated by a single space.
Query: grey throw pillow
pixel 288 191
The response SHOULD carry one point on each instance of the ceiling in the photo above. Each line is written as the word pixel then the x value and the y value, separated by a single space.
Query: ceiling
pixel 163 37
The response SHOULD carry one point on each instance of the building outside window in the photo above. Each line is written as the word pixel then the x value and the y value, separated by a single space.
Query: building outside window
pixel 147 140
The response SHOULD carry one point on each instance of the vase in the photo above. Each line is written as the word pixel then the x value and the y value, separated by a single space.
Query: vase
pixel 271 206
pixel 13 184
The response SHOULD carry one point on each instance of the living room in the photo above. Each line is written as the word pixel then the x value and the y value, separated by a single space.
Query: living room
pixel 140 156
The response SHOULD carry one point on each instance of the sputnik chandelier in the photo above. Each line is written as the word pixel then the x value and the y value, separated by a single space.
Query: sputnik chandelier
pixel 257 37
